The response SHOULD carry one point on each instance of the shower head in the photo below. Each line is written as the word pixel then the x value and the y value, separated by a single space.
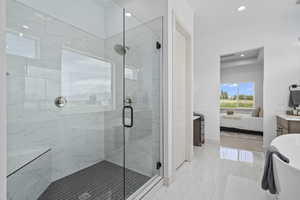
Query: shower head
pixel 120 49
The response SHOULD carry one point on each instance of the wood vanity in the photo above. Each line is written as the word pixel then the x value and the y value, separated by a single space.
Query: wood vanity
pixel 287 124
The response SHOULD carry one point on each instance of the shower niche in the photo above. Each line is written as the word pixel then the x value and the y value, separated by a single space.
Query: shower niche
pixel 84 100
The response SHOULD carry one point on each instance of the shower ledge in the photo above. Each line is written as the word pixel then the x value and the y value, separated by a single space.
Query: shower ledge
pixel 18 160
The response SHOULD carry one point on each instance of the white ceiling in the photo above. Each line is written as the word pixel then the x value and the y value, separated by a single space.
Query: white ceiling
pixel 217 8
pixel 216 14
pixel 250 57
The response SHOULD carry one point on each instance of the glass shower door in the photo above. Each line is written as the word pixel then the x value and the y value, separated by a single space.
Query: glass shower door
pixel 142 101
pixel 84 100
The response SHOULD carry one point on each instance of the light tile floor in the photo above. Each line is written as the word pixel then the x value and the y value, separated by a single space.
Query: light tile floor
pixel 218 173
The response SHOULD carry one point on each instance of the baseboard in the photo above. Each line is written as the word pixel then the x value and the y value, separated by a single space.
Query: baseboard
pixel 241 131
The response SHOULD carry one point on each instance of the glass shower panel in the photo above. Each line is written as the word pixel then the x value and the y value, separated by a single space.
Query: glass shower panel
pixel 65 100
pixel 142 74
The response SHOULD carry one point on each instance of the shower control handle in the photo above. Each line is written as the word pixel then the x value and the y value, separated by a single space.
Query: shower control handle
pixel 60 102
pixel 130 108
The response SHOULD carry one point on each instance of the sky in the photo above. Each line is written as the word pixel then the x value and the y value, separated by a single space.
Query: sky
pixel 244 88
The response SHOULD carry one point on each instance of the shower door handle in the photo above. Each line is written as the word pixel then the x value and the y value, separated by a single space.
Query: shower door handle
pixel 130 108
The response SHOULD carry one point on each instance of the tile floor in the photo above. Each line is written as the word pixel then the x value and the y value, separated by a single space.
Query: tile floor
pixel 218 173
pixel 102 181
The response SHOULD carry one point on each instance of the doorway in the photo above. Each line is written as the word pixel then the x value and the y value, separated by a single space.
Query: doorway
pixel 241 100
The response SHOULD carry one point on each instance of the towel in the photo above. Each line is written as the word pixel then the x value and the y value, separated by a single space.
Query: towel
pixel 268 181
pixel 294 98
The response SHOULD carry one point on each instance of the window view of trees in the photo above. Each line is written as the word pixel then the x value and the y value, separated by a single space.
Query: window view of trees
pixel 237 95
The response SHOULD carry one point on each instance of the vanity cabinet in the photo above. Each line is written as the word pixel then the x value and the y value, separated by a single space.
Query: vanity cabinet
pixel 287 124
pixel 198 130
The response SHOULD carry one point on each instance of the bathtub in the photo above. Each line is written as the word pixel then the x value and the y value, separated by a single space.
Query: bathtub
pixel 287 176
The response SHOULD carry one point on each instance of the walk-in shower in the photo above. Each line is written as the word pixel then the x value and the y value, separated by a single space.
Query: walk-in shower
pixel 84 100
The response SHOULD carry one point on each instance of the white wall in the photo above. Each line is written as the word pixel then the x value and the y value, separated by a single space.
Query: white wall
pixel 207 81
pixel 2 103
pixel 247 73
pixel 278 35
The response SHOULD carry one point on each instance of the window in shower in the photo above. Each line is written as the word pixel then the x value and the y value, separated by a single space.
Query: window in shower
pixel 87 81
pixel 20 45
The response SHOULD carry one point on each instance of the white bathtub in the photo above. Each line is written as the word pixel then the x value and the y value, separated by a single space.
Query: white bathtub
pixel 287 176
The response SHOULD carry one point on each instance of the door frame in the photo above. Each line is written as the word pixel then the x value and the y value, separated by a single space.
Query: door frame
pixel 178 25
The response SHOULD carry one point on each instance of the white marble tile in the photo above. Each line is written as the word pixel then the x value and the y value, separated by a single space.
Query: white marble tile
pixel 15 90
pixel 211 177
pixel 76 139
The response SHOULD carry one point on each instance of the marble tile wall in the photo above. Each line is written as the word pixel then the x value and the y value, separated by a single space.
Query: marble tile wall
pixel 76 138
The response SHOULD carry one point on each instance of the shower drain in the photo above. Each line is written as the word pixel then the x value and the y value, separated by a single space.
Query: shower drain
pixel 84 196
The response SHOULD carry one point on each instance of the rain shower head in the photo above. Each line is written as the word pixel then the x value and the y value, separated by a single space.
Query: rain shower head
pixel 120 49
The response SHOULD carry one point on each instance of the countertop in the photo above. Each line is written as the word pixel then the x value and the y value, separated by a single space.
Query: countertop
pixel 290 117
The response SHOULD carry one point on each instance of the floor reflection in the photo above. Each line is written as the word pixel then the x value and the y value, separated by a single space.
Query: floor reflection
pixel 227 153
pixel 218 172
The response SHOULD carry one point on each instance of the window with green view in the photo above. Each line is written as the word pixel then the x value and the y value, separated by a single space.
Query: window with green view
pixel 237 95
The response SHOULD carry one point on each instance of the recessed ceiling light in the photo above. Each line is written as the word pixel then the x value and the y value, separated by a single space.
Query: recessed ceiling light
pixel 21 34
pixel 25 27
pixel 128 14
pixel 242 8
pixel 242 55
